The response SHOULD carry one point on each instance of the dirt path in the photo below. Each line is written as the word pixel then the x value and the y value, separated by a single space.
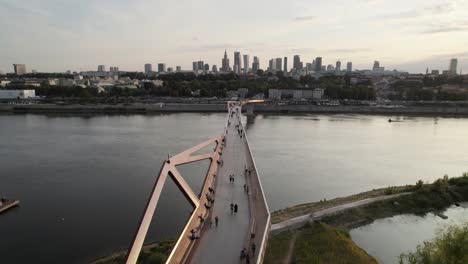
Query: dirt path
pixel 288 258
pixel 300 221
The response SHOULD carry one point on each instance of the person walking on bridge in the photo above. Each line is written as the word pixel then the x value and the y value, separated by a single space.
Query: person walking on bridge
pixel 216 221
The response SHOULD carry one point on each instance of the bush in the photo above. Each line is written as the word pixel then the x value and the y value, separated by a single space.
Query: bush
pixel 449 246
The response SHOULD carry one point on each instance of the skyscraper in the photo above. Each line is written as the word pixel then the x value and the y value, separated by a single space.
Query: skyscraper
pixel 255 64
pixel 148 68
pixel 101 68
pixel 349 66
pixel 200 65
pixel 271 65
pixel 285 68
pixel 161 67
pixel 20 69
pixel 178 68
pixel 113 69
pixel 237 62
pixel 376 65
pixel 297 62
pixel 246 63
pixel 338 66
pixel 195 66
pixel 206 68
pixel 318 64
pixel 279 64
pixel 225 63
pixel 453 66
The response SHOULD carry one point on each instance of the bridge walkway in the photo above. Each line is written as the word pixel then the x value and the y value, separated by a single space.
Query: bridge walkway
pixel 223 244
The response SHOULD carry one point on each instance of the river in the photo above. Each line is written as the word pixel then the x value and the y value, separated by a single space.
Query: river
pixel 83 180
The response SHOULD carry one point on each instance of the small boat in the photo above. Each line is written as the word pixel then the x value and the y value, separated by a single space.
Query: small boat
pixel 390 120
pixel 6 204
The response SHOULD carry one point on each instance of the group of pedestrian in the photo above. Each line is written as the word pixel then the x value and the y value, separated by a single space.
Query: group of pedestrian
pixel 234 208
pixel 231 178
pixel 246 188
pixel 245 254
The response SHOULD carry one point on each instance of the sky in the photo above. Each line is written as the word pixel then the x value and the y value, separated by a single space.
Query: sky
pixel 60 35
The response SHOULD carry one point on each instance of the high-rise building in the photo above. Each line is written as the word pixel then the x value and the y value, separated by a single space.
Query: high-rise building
pixel 330 68
pixel 225 63
pixel 271 65
pixel 178 69
pixel 214 68
pixel 161 67
pixel 278 64
pixel 20 69
pixel 338 66
pixel 206 68
pixel 101 68
pixel 453 66
pixel 376 65
pixel 195 66
pixel 349 66
pixel 170 69
pixel 285 68
pixel 246 63
pixel 309 66
pixel 297 62
pixel 318 64
pixel 113 69
pixel 237 62
pixel 148 68
pixel 255 64
pixel 200 65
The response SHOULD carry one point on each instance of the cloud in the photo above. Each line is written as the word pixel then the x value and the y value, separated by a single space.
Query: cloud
pixel 438 9
pixel 444 29
pixel 304 18
pixel 350 50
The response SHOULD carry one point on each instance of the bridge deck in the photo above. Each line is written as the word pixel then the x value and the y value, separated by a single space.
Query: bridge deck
pixel 225 242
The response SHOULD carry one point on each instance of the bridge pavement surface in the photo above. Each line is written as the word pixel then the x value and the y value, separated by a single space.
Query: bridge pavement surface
pixel 223 244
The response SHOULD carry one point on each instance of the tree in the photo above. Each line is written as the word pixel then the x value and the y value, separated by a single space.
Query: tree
pixel 449 247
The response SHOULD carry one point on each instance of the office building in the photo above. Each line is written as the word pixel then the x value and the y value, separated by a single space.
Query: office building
pixel 178 69
pixel 297 62
pixel 114 69
pixel 285 68
pixel 330 68
pixel 453 66
pixel 195 66
pixel 200 65
pixel 377 67
pixel 271 65
pixel 255 64
pixel 338 66
pixel 225 63
pixel 20 69
pixel 318 64
pixel 309 66
pixel 349 66
pixel 148 68
pixel 101 68
pixel 170 69
pixel 214 68
pixel 237 62
pixel 278 64
pixel 161 67
pixel 246 63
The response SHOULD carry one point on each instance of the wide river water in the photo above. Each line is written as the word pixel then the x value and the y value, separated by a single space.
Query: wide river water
pixel 83 181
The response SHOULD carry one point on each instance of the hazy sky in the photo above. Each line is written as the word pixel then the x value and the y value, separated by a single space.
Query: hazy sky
pixel 57 35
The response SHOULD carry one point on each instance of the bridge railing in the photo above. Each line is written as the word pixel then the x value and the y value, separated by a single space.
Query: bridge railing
pixel 260 214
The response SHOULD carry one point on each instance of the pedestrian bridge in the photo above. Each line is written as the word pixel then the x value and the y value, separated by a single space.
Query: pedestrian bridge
pixel 215 233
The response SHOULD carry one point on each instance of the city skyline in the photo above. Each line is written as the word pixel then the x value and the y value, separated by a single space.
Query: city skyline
pixel 80 35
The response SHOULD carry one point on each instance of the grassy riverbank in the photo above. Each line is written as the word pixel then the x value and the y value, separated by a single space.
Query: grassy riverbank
pixel 315 243
pixel 328 242
pixel 155 253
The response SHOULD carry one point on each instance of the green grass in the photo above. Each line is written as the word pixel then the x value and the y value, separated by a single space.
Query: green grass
pixel 156 253
pixel 321 243
pixel 277 248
